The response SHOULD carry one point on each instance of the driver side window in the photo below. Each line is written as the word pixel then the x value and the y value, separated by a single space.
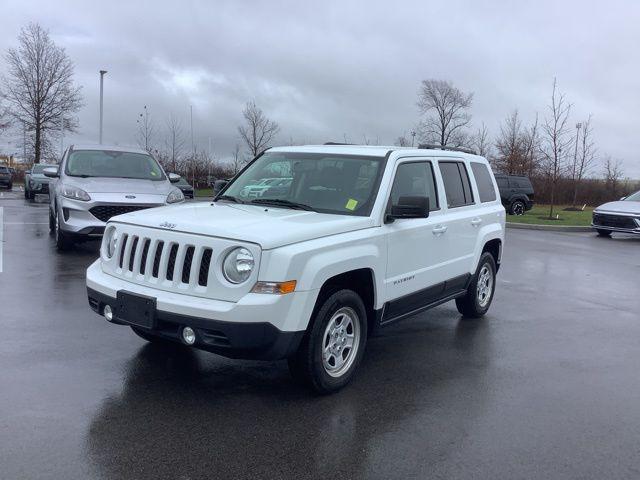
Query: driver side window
pixel 415 179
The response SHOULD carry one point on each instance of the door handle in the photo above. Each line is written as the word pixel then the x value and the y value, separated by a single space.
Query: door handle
pixel 476 221
pixel 438 229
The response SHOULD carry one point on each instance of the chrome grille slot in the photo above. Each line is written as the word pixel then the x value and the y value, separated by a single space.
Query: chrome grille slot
pixel 123 244
pixel 203 273
pixel 186 265
pixel 156 259
pixel 171 262
pixel 132 252
pixel 145 253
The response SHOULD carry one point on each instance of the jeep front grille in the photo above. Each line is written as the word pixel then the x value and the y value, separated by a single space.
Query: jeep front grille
pixel 184 263
pixel 105 212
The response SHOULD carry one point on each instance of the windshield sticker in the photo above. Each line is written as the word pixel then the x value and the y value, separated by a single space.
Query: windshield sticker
pixel 351 204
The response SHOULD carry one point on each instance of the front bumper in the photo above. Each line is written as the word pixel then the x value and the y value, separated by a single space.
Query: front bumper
pixel 258 326
pixel 75 216
pixel 616 222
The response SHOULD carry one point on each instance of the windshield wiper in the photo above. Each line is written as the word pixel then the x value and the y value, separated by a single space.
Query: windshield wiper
pixel 279 202
pixel 229 198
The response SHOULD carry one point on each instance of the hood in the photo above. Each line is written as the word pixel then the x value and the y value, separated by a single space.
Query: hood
pixel 620 206
pixel 268 227
pixel 120 185
pixel 40 177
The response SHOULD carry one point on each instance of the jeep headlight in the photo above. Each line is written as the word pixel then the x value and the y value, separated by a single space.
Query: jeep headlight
pixel 175 196
pixel 109 241
pixel 238 265
pixel 75 193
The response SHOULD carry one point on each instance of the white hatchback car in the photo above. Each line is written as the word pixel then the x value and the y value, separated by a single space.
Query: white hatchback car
pixel 362 237
pixel 95 182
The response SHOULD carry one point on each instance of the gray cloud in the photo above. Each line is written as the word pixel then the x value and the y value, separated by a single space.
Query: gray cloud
pixel 327 69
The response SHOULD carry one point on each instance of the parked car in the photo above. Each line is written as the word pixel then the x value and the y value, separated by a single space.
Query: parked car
pixel 95 182
pixel 368 236
pixel 266 185
pixel 185 187
pixel 621 216
pixel 35 181
pixel 218 185
pixel 6 177
pixel 516 193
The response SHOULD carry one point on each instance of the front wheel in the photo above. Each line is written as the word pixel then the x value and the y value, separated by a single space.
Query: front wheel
pixel 476 302
pixel 603 233
pixel 333 347
pixel 63 240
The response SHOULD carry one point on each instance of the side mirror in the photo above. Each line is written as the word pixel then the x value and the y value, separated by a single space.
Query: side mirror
pixel 27 172
pixel 174 178
pixel 51 172
pixel 409 207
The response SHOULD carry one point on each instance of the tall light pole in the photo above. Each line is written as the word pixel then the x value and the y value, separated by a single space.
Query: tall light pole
pixel 102 72
pixel 575 153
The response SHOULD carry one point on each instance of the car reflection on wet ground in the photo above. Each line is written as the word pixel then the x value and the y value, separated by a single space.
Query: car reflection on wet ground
pixel 545 386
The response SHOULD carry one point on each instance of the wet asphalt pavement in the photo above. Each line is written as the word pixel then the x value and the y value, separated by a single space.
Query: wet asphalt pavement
pixel 547 385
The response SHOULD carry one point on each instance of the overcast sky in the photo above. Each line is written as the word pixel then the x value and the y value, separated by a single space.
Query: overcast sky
pixel 324 70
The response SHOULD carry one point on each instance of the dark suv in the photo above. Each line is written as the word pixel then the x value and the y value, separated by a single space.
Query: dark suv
pixel 516 193
pixel 6 177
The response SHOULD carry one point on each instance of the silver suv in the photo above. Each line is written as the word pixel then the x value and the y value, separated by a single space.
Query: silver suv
pixel 94 183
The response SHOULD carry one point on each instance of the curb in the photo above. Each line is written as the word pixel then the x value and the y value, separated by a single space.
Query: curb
pixel 549 228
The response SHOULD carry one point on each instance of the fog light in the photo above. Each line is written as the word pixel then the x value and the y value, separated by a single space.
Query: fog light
pixel 108 313
pixel 188 335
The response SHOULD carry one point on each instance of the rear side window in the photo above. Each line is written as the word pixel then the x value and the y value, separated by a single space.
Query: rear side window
pixel 503 182
pixel 514 183
pixel 415 179
pixel 483 181
pixel 456 184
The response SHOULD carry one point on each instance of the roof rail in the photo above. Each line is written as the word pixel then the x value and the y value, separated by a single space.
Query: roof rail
pixel 337 143
pixel 432 146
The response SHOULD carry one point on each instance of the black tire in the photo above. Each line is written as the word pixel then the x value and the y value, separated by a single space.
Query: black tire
pixel 470 304
pixel 517 208
pixel 10 187
pixel 26 193
pixel 63 240
pixel 149 337
pixel 52 223
pixel 307 365
pixel 603 233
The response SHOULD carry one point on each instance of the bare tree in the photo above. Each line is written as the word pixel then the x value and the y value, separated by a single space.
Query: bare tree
pixel 146 130
pixel 258 130
pixel 509 145
pixel 480 141
pixel 5 121
pixel 584 158
pixel 446 110
pixel 39 87
pixel 402 141
pixel 612 175
pixel 557 140
pixel 531 148
pixel 174 142
pixel 236 159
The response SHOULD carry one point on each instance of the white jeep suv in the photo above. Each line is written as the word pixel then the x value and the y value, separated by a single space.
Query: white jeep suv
pixel 363 236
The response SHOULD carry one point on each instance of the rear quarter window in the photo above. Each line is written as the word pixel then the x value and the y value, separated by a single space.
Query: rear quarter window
pixel 486 190
pixel 456 184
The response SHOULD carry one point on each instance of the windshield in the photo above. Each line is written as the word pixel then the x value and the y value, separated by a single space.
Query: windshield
pixel 106 163
pixel 634 197
pixel 328 183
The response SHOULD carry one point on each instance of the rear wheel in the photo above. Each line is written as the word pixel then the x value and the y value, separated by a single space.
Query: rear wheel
pixel 476 302
pixel 517 208
pixel 334 345
pixel 603 233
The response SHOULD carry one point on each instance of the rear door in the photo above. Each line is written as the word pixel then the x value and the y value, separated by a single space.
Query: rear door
pixel 461 217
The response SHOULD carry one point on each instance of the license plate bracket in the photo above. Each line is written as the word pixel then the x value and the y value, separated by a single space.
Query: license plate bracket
pixel 135 309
